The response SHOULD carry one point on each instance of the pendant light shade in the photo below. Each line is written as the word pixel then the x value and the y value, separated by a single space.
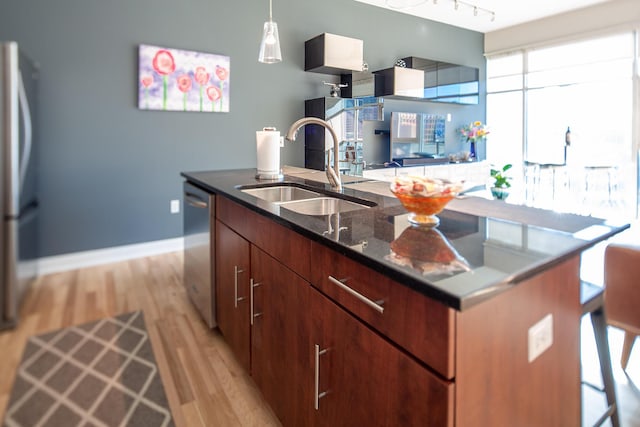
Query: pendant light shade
pixel 270 44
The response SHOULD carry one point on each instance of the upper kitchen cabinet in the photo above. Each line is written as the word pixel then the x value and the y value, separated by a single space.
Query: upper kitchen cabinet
pixel 333 54
pixel 401 81
pixel 361 84
pixel 445 82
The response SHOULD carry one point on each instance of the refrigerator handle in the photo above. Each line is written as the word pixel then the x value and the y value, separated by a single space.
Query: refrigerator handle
pixel 28 130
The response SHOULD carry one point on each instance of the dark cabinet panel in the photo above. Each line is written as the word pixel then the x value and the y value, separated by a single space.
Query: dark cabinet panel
pixel 232 291
pixel 362 380
pixel 281 355
pixel 421 79
pixel 394 310
pixel 402 82
pixel 445 82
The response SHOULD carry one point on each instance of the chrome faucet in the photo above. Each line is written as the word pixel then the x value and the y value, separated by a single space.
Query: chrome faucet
pixel 333 173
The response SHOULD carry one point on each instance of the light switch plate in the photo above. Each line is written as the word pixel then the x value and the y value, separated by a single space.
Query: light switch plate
pixel 540 337
pixel 175 206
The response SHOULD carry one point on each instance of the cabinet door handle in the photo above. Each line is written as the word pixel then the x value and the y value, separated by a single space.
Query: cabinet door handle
pixel 317 395
pixel 253 316
pixel 375 305
pixel 236 271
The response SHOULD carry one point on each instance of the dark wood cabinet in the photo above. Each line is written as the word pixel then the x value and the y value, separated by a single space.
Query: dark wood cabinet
pixel 332 342
pixel 365 380
pixel 318 365
pixel 281 362
pixel 392 310
pixel 314 362
pixel 232 291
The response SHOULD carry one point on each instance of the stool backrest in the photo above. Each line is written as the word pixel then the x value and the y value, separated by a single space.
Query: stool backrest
pixel 622 286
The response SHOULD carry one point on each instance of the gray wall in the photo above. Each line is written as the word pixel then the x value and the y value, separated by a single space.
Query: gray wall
pixel 108 170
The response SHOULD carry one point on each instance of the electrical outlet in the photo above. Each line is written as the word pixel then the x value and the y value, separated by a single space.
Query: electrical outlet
pixel 175 206
pixel 540 337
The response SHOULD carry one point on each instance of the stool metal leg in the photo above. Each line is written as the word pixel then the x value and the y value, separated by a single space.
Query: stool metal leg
pixel 602 343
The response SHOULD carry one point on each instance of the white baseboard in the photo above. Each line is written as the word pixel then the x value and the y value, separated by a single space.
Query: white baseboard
pixel 72 261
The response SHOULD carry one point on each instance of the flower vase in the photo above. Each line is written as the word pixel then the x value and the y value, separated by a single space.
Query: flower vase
pixel 472 150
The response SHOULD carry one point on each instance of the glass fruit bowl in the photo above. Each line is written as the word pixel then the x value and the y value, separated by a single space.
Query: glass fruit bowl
pixel 424 197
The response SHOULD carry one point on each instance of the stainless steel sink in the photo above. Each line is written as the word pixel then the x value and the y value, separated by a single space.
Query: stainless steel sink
pixel 281 193
pixel 322 206
pixel 305 201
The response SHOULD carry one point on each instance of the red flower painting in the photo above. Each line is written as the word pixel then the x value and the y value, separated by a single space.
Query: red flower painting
pixel 179 80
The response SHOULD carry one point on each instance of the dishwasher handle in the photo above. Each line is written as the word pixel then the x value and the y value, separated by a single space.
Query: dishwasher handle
pixel 195 201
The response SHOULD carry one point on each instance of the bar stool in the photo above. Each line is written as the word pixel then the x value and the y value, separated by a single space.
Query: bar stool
pixel 594 175
pixel 592 300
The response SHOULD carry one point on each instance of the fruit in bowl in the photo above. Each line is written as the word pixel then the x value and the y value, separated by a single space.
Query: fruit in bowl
pixel 424 197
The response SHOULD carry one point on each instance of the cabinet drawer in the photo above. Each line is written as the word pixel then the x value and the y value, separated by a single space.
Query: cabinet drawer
pixel 420 325
pixel 287 246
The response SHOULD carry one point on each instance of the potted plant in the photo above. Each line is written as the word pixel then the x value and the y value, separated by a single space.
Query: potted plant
pixel 501 184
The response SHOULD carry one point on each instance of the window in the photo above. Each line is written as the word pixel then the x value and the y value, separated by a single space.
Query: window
pixel 534 96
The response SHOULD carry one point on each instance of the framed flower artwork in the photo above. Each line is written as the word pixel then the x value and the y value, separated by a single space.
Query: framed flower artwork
pixel 182 80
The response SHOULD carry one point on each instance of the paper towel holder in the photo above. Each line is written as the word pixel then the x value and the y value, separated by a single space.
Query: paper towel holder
pixel 270 172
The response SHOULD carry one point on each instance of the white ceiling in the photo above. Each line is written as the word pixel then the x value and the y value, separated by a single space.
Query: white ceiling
pixel 507 12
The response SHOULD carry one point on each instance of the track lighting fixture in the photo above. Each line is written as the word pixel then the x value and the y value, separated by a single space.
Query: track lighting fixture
pixel 457 5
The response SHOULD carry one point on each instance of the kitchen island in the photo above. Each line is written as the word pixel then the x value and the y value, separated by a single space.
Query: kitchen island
pixel 356 318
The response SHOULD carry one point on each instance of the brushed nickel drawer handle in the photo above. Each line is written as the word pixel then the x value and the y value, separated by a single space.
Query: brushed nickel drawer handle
pixel 316 394
pixel 236 271
pixel 377 307
pixel 253 285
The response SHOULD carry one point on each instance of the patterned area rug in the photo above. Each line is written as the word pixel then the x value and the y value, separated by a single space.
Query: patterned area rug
pixel 96 374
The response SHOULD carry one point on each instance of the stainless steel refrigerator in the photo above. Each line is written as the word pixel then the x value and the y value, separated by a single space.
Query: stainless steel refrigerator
pixel 18 190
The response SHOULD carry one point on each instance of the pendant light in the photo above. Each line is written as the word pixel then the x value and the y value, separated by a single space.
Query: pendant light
pixel 270 45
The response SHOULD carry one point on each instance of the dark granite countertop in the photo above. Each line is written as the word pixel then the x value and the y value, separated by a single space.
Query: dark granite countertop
pixel 481 247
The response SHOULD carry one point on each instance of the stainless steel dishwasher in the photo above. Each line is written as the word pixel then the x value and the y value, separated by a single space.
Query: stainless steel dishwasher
pixel 199 273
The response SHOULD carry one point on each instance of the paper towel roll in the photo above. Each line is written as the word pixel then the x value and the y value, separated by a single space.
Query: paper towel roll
pixel 268 150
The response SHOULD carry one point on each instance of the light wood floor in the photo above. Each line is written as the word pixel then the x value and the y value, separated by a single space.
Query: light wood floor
pixel 204 384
